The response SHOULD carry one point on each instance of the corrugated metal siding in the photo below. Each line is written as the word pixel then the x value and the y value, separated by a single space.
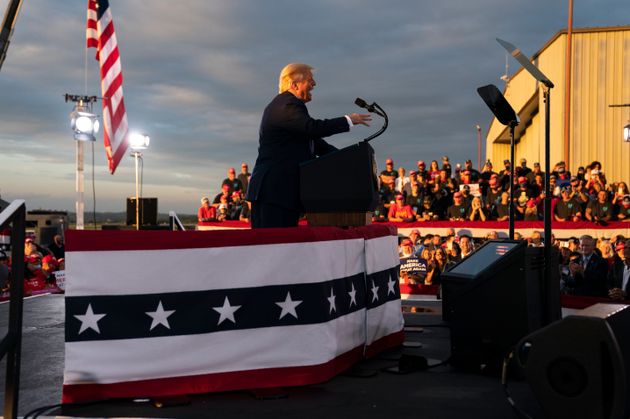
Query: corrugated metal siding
pixel 600 77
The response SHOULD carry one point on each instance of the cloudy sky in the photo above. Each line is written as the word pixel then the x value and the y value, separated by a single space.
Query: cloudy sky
pixel 198 73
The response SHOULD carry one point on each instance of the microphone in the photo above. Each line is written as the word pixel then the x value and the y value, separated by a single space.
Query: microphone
pixel 373 108
pixel 363 104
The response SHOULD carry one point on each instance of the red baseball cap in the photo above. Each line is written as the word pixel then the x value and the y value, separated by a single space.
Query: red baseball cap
pixel 49 259
pixel 407 242
pixel 522 179
pixel 231 170
pixel 421 163
pixel 389 161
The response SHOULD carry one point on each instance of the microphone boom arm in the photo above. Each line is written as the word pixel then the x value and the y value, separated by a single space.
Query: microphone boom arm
pixel 375 108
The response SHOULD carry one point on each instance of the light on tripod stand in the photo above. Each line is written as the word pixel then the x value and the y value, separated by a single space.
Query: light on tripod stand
pixel 138 142
pixel 84 125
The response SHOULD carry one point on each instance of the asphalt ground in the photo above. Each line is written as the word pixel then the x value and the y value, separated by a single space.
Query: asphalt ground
pixel 370 390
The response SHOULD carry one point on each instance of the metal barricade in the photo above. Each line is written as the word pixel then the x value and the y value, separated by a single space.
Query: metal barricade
pixel 14 216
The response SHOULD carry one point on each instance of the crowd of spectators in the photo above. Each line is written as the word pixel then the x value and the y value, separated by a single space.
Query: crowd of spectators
pixel 44 267
pixel 462 193
pixel 230 203
pixel 466 194
pixel 587 266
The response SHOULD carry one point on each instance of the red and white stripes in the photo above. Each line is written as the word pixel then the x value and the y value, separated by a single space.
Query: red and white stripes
pixel 100 34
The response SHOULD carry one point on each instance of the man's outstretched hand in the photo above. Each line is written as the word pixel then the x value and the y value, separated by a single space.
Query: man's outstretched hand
pixel 362 119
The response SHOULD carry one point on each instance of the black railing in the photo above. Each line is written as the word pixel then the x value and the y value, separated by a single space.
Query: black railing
pixel 14 217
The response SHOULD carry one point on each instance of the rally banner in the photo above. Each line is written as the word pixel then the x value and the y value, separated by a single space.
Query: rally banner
pixel 384 322
pixel 561 230
pixel 155 313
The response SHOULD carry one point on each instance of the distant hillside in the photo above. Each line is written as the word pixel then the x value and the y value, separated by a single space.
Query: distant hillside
pixel 121 218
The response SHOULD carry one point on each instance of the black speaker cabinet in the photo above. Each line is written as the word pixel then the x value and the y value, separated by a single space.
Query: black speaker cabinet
pixel 148 211
pixel 578 367
pixel 495 297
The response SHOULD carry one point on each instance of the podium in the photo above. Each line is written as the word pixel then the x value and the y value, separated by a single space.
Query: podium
pixel 340 188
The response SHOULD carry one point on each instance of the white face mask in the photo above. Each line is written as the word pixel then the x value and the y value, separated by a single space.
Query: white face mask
pixel 406 253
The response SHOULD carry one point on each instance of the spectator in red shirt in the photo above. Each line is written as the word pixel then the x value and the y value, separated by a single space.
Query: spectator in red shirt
pixel 49 266
pixel 434 172
pixel 399 212
pixel 206 212
pixel 595 178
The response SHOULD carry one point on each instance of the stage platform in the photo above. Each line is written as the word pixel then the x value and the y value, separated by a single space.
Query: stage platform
pixel 368 391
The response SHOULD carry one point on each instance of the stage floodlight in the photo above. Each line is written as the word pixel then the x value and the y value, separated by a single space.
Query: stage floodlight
pixel 138 141
pixel 84 124
pixel 626 133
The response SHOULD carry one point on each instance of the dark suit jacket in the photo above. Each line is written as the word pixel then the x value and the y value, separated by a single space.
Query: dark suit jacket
pixel 594 280
pixel 615 276
pixel 288 136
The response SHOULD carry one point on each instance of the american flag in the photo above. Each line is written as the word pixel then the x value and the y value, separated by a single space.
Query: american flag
pixel 100 35
pixel 154 313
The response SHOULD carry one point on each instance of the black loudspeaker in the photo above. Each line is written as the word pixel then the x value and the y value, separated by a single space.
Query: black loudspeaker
pixel 579 367
pixel 148 211
pixel 495 297
pixel 344 180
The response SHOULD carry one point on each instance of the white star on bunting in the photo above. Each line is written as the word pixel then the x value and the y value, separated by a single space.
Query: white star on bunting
pixel 374 292
pixel 390 286
pixel 226 311
pixel 331 301
pixel 288 306
pixel 89 320
pixel 160 316
pixel 353 296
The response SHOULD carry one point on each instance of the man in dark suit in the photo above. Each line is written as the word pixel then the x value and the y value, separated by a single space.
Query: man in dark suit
pixel 591 273
pixel 289 136
pixel 619 274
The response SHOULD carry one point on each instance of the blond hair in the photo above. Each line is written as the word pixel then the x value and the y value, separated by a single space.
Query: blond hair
pixel 292 72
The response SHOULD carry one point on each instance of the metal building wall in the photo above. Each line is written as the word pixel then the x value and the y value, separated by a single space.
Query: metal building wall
pixel 600 77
